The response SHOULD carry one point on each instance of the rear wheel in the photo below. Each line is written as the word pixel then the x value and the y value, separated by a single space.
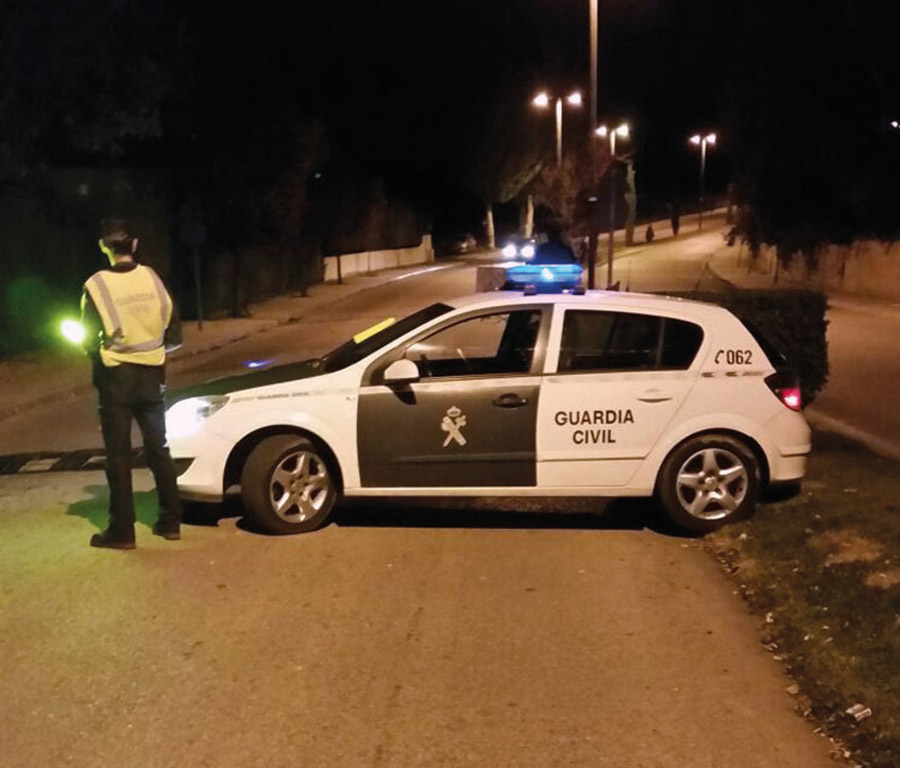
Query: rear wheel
pixel 287 485
pixel 708 482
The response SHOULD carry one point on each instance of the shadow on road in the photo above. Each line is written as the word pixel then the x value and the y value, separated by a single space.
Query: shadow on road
pixel 498 513
pixel 96 509
pixel 487 513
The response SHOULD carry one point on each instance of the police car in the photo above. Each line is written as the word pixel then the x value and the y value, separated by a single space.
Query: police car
pixel 505 394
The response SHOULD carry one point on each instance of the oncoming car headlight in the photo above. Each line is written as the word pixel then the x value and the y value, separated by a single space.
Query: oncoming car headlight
pixel 527 251
pixel 184 417
pixel 509 251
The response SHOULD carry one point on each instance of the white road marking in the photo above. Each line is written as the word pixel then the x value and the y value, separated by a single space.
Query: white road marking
pixel 421 272
pixel 39 465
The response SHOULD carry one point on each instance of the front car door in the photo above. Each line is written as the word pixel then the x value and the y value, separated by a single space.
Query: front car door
pixel 469 421
pixel 619 379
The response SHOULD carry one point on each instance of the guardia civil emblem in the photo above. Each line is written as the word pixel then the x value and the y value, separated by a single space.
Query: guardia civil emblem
pixel 452 423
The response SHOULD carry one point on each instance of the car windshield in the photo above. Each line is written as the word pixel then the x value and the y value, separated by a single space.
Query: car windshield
pixel 351 352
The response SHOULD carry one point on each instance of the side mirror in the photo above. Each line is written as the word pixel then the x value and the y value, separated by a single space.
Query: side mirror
pixel 401 372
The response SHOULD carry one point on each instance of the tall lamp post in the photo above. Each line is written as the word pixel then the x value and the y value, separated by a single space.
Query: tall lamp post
pixel 542 101
pixel 603 131
pixel 702 141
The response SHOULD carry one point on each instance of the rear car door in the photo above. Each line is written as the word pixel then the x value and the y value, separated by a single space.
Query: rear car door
pixel 619 380
pixel 469 421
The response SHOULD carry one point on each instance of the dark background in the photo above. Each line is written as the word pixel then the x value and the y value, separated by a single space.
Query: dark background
pixel 248 140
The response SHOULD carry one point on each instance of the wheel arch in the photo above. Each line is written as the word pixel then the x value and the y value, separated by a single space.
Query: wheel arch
pixel 749 441
pixel 242 449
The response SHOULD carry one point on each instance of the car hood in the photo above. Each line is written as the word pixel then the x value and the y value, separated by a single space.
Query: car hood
pixel 229 384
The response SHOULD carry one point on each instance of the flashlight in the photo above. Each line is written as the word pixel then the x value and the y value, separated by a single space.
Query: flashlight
pixel 72 331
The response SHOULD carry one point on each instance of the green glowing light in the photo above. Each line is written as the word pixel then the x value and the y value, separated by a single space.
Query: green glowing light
pixel 72 331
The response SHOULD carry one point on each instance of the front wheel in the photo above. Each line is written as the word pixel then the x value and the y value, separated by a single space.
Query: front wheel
pixel 287 485
pixel 709 481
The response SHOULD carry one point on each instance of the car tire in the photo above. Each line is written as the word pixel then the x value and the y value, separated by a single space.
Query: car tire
pixel 288 486
pixel 709 481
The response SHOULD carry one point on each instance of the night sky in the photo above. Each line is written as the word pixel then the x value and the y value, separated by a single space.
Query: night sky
pixel 407 86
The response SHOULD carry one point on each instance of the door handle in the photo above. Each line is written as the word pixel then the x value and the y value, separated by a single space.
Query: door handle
pixel 510 400
pixel 654 396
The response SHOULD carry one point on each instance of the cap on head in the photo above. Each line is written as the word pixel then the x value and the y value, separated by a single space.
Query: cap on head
pixel 115 234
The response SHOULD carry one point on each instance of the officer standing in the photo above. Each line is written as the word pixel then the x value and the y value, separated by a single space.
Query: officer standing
pixel 130 323
pixel 555 250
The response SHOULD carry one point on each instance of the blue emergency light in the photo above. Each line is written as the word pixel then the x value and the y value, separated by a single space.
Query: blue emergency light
pixel 257 363
pixel 545 277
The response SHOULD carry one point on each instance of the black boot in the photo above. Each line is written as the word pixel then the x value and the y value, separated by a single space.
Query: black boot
pixel 169 531
pixel 110 539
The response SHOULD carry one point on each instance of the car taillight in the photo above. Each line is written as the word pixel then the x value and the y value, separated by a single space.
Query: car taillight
pixel 786 388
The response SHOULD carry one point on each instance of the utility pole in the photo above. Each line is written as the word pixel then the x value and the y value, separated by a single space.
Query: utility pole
pixel 594 43
pixel 592 232
pixel 701 141
pixel 612 222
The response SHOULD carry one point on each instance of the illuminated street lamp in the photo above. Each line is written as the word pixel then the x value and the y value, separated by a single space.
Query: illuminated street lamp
pixel 702 141
pixel 621 130
pixel 542 101
pixel 603 131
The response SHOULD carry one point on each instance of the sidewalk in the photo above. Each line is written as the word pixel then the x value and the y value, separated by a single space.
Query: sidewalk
pixel 41 377
pixel 733 264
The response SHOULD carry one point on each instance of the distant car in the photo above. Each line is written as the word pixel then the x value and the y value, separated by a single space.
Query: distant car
pixel 504 394
pixel 553 267
pixel 518 248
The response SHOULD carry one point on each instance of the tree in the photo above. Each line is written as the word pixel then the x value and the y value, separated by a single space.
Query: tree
pixel 82 79
pixel 807 123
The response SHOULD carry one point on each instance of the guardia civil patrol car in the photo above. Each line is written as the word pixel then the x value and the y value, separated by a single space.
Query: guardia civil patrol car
pixel 604 394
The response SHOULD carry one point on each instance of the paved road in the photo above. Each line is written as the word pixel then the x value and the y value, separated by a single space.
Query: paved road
pixel 492 633
pixel 394 637
pixel 860 398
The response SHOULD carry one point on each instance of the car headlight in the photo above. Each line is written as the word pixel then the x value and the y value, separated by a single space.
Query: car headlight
pixel 509 251
pixel 184 418
pixel 527 251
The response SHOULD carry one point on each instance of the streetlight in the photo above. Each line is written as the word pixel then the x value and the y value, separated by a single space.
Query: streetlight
pixel 542 101
pixel 702 141
pixel 622 130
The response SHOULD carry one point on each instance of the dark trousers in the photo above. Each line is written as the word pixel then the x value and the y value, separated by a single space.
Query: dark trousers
pixel 129 392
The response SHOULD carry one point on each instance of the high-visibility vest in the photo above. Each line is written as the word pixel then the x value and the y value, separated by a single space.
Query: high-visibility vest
pixel 135 310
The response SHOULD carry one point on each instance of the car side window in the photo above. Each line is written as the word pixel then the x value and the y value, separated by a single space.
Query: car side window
pixel 498 343
pixel 681 340
pixel 622 341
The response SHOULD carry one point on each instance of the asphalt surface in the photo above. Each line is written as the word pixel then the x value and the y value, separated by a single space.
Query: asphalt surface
pixel 394 637
pixel 860 398
pixel 493 632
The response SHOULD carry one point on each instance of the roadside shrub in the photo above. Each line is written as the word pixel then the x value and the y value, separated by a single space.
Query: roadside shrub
pixel 792 320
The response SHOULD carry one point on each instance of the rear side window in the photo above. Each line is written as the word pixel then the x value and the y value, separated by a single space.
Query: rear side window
pixel 681 340
pixel 622 341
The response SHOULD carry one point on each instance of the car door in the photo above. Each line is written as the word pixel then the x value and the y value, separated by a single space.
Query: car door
pixel 469 421
pixel 619 380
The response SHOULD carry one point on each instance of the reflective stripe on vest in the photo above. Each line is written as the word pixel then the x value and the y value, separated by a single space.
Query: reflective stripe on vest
pixel 123 301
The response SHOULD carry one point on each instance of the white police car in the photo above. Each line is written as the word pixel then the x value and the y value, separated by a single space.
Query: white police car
pixel 604 394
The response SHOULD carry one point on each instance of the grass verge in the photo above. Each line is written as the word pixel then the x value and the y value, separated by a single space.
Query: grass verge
pixel 823 568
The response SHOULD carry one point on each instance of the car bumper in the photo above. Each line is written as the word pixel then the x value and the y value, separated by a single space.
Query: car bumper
pixel 204 478
pixel 791 437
